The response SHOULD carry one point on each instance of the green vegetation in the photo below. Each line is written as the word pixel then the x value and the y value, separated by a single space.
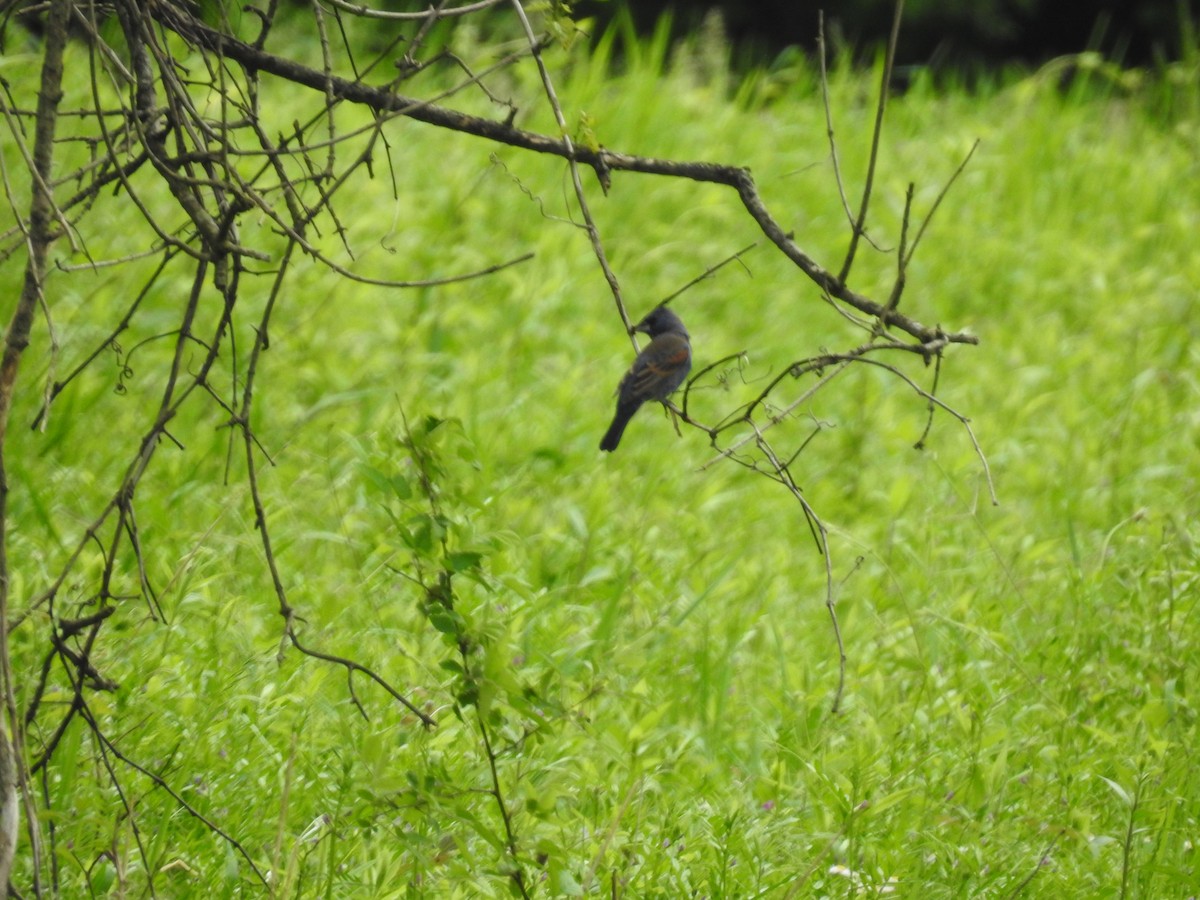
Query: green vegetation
pixel 645 642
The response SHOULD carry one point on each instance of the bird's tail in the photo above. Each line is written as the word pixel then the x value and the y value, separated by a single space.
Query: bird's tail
pixel 612 437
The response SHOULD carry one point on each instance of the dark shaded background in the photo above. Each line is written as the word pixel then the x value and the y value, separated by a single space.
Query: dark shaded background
pixel 946 35
pixel 951 34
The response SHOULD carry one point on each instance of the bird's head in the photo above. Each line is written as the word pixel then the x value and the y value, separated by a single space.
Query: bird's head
pixel 661 320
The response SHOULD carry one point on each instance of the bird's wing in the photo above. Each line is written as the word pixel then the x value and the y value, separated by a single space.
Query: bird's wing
pixel 656 371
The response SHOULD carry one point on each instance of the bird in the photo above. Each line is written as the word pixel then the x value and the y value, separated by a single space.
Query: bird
pixel 658 370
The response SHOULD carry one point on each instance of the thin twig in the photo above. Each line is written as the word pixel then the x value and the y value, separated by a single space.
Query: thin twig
pixel 822 535
pixel 162 784
pixel 1043 860
pixel 860 222
pixel 510 840
pixel 901 257
pixel 709 272
pixel 940 197
pixel 569 153
pixel 39 421
pixel 833 154
pixel 286 610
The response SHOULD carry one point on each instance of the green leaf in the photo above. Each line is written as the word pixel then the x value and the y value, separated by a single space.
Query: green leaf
pixel 103 877
pixel 420 538
pixel 462 560
pixel 400 487
pixel 565 883
pixel 1118 790
pixel 880 804
pixel 445 620
pixel 232 867
pixel 648 722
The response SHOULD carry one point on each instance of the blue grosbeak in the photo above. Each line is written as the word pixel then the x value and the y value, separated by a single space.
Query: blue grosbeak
pixel 658 370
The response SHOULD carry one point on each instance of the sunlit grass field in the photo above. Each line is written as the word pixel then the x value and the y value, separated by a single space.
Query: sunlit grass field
pixel 654 657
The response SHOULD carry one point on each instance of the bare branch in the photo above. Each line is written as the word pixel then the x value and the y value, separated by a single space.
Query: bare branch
pixel 604 162
pixel 14 784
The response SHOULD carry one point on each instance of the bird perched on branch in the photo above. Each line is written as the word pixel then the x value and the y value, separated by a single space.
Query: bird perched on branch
pixel 658 370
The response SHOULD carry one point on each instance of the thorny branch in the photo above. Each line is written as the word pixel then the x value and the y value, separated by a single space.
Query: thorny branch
pixel 224 168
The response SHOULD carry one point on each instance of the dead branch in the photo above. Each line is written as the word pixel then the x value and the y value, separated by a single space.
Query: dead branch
pixel 602 161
